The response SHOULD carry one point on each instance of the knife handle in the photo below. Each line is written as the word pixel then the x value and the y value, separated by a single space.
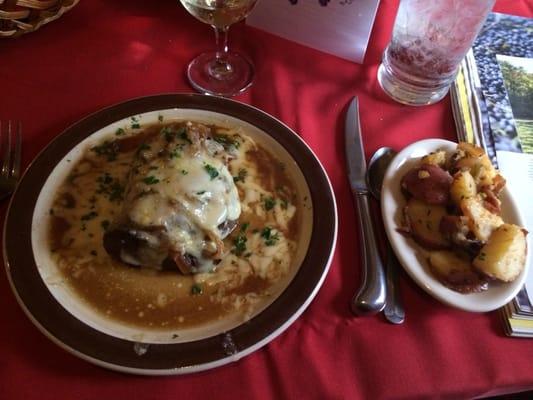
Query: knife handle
pixel 371 297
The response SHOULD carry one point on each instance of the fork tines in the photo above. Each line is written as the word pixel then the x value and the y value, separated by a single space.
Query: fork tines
pixel 11 159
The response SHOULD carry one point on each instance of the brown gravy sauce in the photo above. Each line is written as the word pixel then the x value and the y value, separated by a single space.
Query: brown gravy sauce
pixel 87 202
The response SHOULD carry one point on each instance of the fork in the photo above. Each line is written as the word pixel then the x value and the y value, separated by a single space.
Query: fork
pixel 10 172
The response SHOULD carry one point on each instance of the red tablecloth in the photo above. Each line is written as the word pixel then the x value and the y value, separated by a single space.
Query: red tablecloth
pixel 103 52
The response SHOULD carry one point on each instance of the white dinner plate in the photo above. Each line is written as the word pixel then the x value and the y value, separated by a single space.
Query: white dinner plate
pixel 71 323
pixel 410 254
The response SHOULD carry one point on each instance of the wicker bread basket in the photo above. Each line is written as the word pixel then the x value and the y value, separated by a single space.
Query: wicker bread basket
pixel 23 16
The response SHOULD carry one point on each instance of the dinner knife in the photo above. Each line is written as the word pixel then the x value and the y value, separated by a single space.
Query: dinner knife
pixel 371 296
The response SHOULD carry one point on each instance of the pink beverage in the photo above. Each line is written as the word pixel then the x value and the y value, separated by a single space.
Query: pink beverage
pixel 429 40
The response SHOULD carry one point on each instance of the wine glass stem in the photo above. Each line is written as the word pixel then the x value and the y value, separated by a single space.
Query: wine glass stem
pixel 221 37
pixel 220 67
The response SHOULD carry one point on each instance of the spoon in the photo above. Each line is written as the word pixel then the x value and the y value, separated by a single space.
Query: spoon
pixel 394 311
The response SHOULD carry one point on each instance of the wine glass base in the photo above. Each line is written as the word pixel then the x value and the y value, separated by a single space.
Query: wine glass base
pixel 230 82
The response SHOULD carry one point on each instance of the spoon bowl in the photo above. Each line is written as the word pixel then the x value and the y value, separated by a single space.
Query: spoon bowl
pixel 377 166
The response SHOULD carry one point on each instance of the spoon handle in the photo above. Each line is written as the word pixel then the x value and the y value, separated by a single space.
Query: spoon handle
pixel 370 299
pixel 394 311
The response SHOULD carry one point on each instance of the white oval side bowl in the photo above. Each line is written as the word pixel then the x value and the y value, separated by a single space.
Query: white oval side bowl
pixel 411 255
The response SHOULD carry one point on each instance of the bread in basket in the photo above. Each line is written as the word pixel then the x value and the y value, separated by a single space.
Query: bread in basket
pixel 23 16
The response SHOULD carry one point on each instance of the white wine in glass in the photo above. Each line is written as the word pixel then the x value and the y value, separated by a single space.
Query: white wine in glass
pixel 220 72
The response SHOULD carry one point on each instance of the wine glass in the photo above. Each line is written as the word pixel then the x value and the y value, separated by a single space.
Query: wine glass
pixel 220 72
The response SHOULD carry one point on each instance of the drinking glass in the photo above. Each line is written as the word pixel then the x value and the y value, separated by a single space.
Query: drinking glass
pixel 220 72
pixel 429 40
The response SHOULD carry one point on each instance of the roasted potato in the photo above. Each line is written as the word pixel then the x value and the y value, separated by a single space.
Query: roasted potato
pixel 498 183
pixel 504 255
pixel 486 173
pixel 473 159
pixel 455 271
pixel 470 150
pixel 456 229
pixel 423 223
pixel 428 183
pixel 458 219
pixel 435 158
pixel 463 187
pixel 480 220
pixel 490 201
pixel 463 163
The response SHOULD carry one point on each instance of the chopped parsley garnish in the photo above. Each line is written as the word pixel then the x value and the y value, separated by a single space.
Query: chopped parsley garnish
pixel 143 147
pixel 89 216
pixel 212 171
pixel 110 186
pixel 120 132
pixel 135 123
pixel 105 179
pixel 105 224
pixel 241 176
pixel 240 244
pixel 176 152
pixel 245 226
pixel 107 149
pixel 269 203
pixel 481 256
pixel 196 289
pixel 184 172
pixel 116 191
pixel 226 140
pixel 168 133
pixel 201 192
pixel 182 134
pixel 151 180
pixel 284 203
pixel 160 118
pixel 270 237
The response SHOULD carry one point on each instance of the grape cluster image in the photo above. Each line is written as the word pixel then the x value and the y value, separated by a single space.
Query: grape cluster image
pixel 501 35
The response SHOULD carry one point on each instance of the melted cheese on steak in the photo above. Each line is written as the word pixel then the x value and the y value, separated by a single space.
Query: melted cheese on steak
pixel 180 202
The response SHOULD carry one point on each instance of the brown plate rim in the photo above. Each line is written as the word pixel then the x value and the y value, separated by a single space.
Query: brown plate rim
pixel 111 352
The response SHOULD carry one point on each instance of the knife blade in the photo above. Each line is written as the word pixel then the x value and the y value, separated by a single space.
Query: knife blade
pixel 371 296
pixel 355 153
